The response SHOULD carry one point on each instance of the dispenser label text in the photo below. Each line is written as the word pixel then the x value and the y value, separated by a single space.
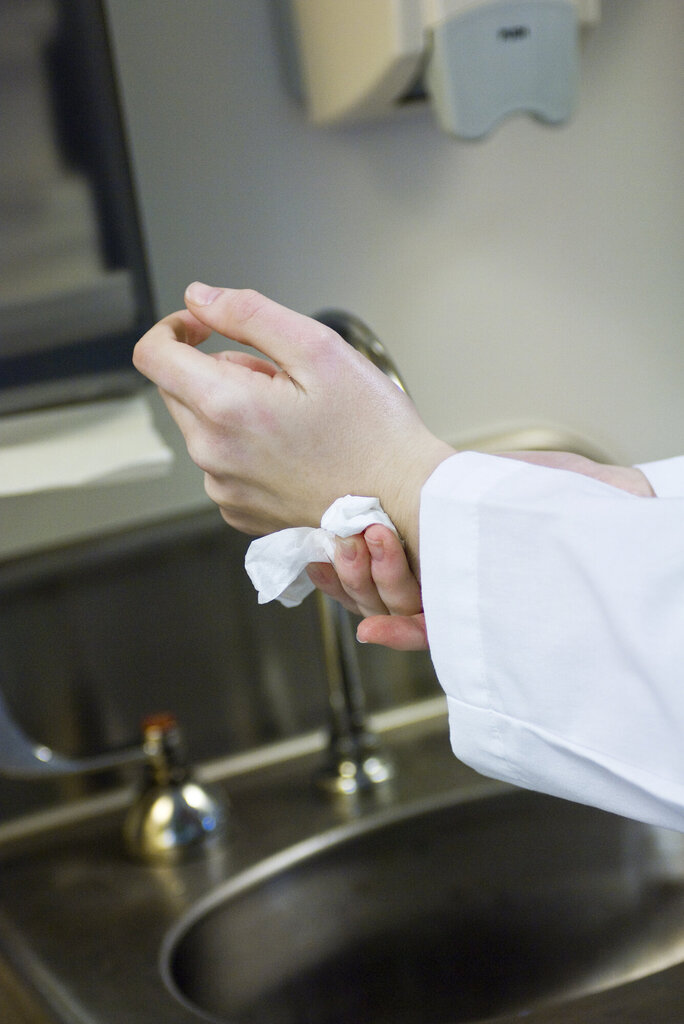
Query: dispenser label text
pixel 513 32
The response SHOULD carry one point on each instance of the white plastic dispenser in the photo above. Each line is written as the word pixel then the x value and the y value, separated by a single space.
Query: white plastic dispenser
pixel 495 59
pixel 475 61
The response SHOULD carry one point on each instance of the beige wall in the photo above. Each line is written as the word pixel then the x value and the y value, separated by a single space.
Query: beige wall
pixel 532 278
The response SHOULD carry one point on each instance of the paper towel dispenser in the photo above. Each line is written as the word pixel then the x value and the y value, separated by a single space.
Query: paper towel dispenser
pixel 74 291
pixel 476 61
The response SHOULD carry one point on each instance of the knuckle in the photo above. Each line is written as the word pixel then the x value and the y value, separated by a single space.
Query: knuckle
pixel 247 305
pixel 360 591
pixel 225 492
pixel 326 337
pixel 211 488
pixel 234 504
pixel 221 410
pixel 207 449
pixel 243 522
pixel 237 521
pixel 199 453
pixel 212 407
pixel 325 348
pixel 139 354
pixel 355 582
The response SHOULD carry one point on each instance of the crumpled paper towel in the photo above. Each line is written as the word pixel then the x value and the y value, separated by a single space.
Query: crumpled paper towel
pixel 276 564
pixel 107 441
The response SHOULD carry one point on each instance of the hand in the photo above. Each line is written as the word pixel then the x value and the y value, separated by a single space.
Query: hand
pixel 280 441
pixel 625 478
pixel 372 578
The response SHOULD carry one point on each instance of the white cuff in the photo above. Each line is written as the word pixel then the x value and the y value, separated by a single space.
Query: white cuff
pixel 666 476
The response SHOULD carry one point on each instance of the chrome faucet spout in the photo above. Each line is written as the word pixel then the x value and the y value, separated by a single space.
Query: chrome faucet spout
pixel 21 757
pixel 355 761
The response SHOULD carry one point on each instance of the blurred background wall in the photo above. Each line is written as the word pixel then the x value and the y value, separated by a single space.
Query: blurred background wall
pixel 531 278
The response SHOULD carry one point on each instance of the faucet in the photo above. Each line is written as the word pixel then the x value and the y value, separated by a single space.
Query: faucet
pixel 172 815
pixel 355 761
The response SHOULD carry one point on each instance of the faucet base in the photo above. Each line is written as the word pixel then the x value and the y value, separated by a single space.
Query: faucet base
pixel 170 823
pixel 355 766
pixel 173 817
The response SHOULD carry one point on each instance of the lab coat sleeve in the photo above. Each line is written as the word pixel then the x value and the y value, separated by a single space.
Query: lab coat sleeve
pixel 666 476
pixel 554 607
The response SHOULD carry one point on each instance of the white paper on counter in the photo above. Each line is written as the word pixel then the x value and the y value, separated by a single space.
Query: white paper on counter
pixel 109 441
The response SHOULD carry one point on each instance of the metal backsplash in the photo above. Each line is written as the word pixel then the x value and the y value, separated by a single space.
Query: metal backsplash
pixel 95 636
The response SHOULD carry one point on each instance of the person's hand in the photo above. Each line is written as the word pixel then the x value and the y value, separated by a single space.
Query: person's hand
pixel 625 478
pixel 372 578
pixel 280 441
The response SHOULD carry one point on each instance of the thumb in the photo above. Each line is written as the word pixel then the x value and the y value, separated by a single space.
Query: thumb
pixel 292 340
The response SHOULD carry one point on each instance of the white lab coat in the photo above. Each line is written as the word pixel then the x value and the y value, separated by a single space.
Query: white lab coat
pixel 555 615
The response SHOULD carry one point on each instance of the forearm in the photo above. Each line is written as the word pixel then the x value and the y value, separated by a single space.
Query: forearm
pixel 625 478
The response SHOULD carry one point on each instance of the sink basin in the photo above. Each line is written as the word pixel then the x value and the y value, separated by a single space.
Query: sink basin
pixel 437 913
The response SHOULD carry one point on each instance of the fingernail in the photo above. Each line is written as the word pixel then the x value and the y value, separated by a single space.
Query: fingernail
pixel 346 548
pixel 315 574
pixel 376 548
pixel 201 294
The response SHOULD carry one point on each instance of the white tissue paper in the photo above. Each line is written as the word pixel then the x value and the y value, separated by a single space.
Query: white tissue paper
pixel 276 564
pixel 109 441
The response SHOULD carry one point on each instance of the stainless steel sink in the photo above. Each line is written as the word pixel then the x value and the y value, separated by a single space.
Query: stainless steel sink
pixel 440 913
pixel 458 899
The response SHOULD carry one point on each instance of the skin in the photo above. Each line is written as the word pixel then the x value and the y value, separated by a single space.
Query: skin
pixel 280 438
pixel 281 435
pixel 371 579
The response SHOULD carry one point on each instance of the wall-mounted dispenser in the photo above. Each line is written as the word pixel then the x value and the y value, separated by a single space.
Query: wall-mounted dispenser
pixel 476 60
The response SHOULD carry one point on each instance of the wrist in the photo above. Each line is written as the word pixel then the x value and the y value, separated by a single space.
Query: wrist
pixel 401 500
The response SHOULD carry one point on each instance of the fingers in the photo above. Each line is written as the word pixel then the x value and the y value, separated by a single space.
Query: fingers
pixel 392 576
pixel 371 575
pixel 353 565
pixel 246 359
pixel 167 355
pixel 323 576
pixel 374 572
pixel 400 632
pixel 289 338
